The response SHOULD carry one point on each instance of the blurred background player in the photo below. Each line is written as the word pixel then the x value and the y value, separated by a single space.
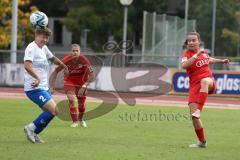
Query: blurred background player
pixel 36 88
pixel 196 61
pixel 75 83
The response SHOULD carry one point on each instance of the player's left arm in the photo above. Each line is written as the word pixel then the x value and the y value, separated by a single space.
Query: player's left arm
pixel 88 72
pixel 90 77
pixel 57 61
pixel 215 60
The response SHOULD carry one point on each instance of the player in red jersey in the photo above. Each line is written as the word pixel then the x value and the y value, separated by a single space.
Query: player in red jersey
pixel 196 61
pixel 75 83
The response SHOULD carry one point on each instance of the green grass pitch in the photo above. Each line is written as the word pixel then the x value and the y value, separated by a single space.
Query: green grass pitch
pixel 126 133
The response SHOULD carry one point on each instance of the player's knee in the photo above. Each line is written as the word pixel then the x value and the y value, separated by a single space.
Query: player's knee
pixel 195 119
pixel 205 82
pixel 70 98
pixel 55 111
pixel 71 103
pixel 193 107
pixel 81 99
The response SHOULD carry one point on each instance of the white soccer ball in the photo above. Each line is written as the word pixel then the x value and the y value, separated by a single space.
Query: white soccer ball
pixel 39 19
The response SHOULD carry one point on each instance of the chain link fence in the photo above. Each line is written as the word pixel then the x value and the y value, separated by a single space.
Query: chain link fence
pixel 164 35
pixel 121 60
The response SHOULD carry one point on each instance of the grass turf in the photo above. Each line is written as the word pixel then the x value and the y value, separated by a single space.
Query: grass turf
pixel 126 133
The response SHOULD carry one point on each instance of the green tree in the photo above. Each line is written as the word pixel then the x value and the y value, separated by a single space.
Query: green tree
pixel 105 18
pixel 24 29
pixel 226 24
pixel 101 18
pixel 53 8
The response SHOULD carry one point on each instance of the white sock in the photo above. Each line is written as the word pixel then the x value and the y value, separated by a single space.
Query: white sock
pixel 32 126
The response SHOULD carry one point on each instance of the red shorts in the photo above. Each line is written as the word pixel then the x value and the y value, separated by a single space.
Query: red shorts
pixel 72 86
pixel 194 91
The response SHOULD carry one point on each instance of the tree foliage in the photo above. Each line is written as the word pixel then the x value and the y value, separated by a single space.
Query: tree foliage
pixel 24 29
pixel 101 18
pixel 227 26
pixel 53 8
pixel 104 18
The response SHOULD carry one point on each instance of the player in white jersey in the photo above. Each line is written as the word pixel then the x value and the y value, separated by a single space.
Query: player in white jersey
pixel 36 88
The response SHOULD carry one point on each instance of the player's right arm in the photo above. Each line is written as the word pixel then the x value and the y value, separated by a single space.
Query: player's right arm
pixel 28 67
pixel 28 59
pixel 187 62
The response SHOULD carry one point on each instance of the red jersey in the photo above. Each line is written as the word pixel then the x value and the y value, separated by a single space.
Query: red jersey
pixel 200 68
pixel 78 68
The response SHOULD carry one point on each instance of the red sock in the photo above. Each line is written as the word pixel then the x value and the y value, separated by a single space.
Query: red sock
pixel 200 134
pixel 74 114
pixel 81 109
pixel 202 97
pixel 81 116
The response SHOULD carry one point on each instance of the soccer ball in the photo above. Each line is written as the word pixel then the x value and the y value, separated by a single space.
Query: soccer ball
pixel 39 19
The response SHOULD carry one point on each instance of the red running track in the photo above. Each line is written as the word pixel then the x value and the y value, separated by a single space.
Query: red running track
pixel 141 99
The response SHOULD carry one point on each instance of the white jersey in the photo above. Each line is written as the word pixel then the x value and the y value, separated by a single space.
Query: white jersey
pixel 39 58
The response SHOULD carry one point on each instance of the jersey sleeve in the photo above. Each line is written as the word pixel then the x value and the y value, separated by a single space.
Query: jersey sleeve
pixel 60 67
pixel 184 58
pixel 29 54
pixel 48 52
pixel 87 65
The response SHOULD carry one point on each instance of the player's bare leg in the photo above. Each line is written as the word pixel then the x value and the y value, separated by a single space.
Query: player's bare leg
pixel 81 109
pixel 73 109
pixel 51 107
pixel 81 97
pixel 206 86
pixel 32 130
pixel 198 127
